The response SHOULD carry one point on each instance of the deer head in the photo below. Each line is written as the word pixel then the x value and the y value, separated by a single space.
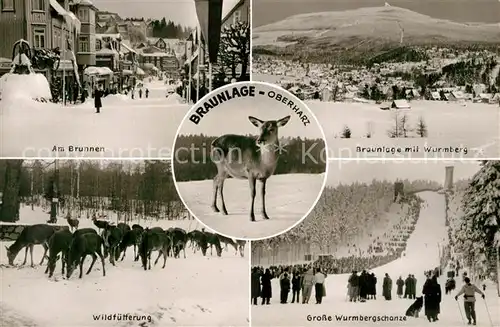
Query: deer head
pixel 268 129
pixel 70 267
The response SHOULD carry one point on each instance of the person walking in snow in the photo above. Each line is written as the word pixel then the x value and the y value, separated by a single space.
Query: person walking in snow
pixel 319 285
pixel 469 290
pixel 408 282
pixel 353 286
pixel 387 287
pixel 266 291
pixel 147 93
pixel 140 93
pixel 255 282
pixel 296 283
pixel 307 284
pixel 284 288
pixel 432 298
pixel 400 283
pixel 97 100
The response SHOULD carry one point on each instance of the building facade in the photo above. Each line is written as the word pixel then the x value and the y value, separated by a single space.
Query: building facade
pixel 43 23
pixel 86 43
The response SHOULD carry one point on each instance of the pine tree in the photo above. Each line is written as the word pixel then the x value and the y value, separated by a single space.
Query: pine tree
pixel 481 207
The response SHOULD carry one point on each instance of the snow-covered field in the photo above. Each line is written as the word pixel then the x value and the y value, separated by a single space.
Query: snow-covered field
pixel 196 291
pixel 421 254
pixel 288 199
pixel 125 127
pixel 475 126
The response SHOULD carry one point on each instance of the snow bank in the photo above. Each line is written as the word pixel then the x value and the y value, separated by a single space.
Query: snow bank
pixel 116 98
pixel 14 87
pixel 174 98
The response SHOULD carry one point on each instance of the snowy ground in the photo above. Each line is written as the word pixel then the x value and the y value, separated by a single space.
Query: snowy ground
pixel 421 254
pixel 288 199
pixel 475 126
pixel 125 127
pixel 196 291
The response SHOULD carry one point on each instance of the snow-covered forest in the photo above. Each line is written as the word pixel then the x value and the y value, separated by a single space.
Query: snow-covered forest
pixel 84 188
pixel 474 216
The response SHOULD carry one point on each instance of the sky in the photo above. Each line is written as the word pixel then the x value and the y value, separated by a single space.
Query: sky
pixel 180 11
pixel 348 172
pixel 487 11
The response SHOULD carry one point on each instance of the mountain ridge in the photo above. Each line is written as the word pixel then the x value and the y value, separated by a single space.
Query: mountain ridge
pixel 368 28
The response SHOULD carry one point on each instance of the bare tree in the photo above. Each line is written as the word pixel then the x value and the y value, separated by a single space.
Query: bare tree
pixel 9 210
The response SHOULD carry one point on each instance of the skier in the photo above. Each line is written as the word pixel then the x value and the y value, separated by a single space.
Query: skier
pixel 140 93
pixel 469 290
pixel 147 93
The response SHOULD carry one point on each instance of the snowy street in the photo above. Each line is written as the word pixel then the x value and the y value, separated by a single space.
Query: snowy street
pixel 196 291
pixel 288 198
pixel 125 128
pixel 421 254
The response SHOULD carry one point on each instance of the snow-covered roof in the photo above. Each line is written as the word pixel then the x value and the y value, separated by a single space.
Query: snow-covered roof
pixel 127 47
pixel 97 71
pixel 401 104
pixel 115 36
pixel 71 20
pixel 229 5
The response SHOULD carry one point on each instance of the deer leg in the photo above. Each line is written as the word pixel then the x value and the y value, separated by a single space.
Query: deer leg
pixel 94 258
pixel 252 181
pixel 63 262
pixel 221 193
pixel 102 261
pixel 164 260
pixel 215 190
pixel 263 195
pixel 81 266
pixel 149 260
pixel 184 251
pixel 25 255
pixel 159 255
pixel 124 252
pixel 32 246
pixel 45 248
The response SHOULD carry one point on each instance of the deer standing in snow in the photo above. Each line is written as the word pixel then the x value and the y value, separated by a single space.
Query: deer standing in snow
pixel 245 157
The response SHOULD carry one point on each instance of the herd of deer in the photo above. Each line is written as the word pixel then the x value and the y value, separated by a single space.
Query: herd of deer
pixel 113 241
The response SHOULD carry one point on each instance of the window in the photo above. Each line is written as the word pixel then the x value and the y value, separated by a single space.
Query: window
pixel 83 15
pixel 57 38
pixel 7 4
pixel 83 44
pixel 38 5
pixel 39 38
pixel 237 16
pixel 98 45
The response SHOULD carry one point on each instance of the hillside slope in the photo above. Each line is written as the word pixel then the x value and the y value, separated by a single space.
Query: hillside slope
pixel 366 28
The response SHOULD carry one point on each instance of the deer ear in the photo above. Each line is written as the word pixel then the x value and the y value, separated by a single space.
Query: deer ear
pixel 255 121
pixel 283 121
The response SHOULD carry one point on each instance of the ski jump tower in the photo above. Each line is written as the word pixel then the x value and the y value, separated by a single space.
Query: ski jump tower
pixel 448 179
